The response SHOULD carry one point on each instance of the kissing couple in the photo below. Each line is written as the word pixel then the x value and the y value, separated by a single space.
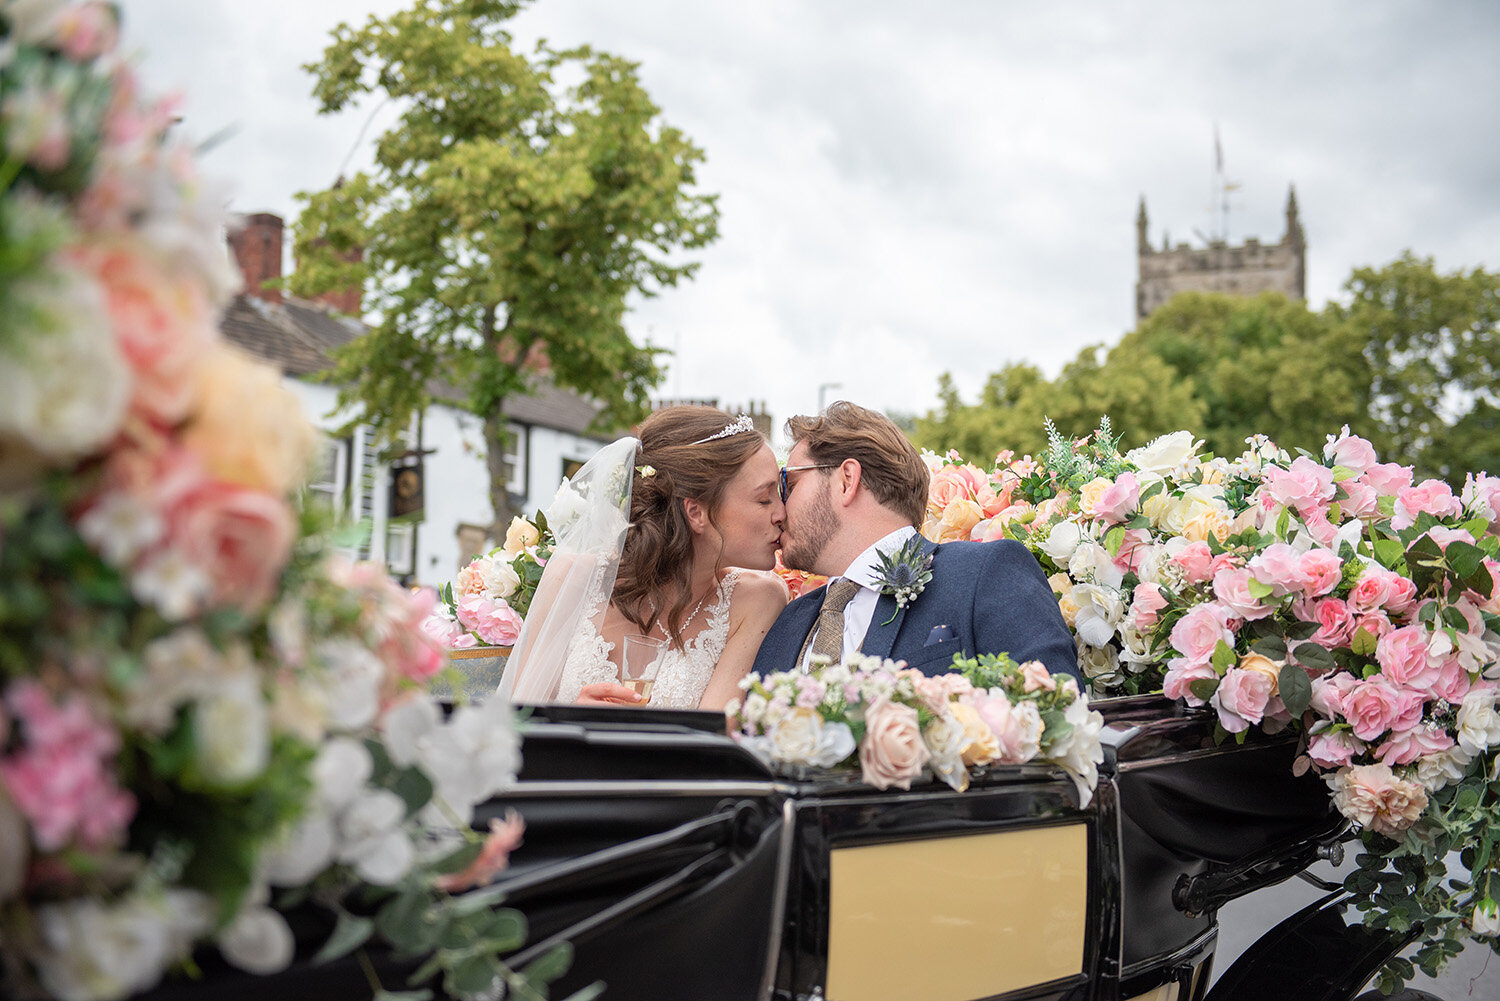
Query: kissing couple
pixel 669 540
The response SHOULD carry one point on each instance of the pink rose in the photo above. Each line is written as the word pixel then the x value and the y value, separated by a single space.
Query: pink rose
pixel 493 858
pixel 1232 588
pixel 1387 477
pixel 1372 796
pixel 1241 698
pixel 1198 632
pixel 948 485
pixel 1149 599
pixel 1402 597
pixel 1017 726
pixel 1360 499
pixel 1196 561
pixel 1430 496
pixel 1349 451
pixel 1322 570
pixel 893 752
pixel 1453 682
pixel 1402 656
pixel 1375 623
pixel 1375 706
pixel 1481 497
pixel 1116 503
pixel 1408 745
pixel 1279 567
pixel 1304 487
pixel 1037 677
pixel 1180 676
pixel 1334 749
pixel 88 30
pixel 1134 547
pixel 240 538
pixel 1492 603
pixel 1372 590
pixel 495 621
pixel 1328 692
pixel 1335 623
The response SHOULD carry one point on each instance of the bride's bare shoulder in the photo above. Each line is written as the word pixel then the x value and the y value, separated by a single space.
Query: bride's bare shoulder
pixel 759 592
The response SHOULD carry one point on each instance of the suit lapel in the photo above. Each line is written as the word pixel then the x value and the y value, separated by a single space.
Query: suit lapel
pixel 880 639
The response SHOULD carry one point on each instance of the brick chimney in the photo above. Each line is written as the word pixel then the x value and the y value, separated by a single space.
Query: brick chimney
pixel 349 301
pixel 257 250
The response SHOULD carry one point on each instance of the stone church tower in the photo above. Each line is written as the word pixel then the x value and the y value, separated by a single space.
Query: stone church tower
pixel 1244 270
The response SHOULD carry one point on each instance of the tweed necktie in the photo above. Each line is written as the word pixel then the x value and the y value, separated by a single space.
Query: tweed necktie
pixel 828 637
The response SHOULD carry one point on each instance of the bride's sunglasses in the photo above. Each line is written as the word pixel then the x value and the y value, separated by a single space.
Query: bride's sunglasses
pixel 785 490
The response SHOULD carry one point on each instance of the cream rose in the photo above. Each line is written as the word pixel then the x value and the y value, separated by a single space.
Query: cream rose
pixel 1372 796
pixel 980 747
pixel 1164 455
pixel 520 535
pixel 1259 664
pixel 1089 494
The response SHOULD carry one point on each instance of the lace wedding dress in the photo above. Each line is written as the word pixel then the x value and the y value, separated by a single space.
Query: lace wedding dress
pixel 684 674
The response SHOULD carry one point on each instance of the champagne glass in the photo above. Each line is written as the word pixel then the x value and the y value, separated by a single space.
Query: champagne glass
pixel 642 659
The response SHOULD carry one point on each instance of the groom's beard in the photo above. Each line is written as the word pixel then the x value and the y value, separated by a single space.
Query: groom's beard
pixel 812 531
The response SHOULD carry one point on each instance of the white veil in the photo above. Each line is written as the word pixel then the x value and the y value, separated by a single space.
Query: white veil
pixel 588 518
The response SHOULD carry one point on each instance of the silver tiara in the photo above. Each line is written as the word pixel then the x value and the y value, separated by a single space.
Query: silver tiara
pixel 741 423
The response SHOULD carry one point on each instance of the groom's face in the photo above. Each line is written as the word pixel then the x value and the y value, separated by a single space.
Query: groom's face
pixel 810 520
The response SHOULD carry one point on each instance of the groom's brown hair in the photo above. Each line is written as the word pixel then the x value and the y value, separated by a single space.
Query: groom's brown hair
pixel 889 464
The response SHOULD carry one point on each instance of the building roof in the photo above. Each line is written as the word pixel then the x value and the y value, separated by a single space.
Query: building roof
pixel 296 336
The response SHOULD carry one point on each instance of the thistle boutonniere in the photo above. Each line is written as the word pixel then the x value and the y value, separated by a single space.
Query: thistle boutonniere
pixel 903 574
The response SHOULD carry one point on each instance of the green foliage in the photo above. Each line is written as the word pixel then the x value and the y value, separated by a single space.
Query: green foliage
pixel 507 219
pixel 1410 362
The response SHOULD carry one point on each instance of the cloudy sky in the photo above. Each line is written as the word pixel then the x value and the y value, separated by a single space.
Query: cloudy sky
pixel 908 189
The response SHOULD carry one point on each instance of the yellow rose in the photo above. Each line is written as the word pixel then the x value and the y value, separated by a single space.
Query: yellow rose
pixel 247 429
pixel 1061 583
pixel 1263 665
pixel 519 535
pixel 980 744
pixel 1089 494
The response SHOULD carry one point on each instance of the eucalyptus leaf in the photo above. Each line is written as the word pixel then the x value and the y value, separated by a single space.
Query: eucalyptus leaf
pixel 349 934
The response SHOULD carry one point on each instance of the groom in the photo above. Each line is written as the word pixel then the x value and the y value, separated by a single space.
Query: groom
pixel 854 488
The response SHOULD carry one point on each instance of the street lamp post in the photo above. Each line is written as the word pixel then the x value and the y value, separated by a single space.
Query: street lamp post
pixel 824 386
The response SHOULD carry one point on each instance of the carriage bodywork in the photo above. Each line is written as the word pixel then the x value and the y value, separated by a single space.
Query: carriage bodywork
pixel 679 866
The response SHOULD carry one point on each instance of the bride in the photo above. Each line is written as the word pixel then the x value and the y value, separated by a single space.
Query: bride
pixel 667 536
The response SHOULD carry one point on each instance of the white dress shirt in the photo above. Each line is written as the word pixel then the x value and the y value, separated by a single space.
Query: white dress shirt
pixel 860 611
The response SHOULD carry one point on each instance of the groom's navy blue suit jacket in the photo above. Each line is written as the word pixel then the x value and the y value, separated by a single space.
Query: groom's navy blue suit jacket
pixel 984 597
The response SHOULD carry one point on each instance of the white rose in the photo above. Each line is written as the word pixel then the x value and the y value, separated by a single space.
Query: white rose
pixel 1442 768
pixel 1062 539
pixel 795 739
pixel 373 814
pixel 1478 722
pixel 568 505
pixel 1100 665
pixel 90 950
pixel 63 387
pixel 473 756
pixel 1195 502
pixel 1486 920
pixel 1100 610
pixel 340 771
pixel 233 729
pixel 258 941
pixel 1164 455
pixel 1092 562
pixel 501 579
pixel 351 682
pixel 404 725
pixel 301 853
pixel 946 740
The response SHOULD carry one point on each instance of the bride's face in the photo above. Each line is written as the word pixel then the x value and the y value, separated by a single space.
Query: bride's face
pixel 750 514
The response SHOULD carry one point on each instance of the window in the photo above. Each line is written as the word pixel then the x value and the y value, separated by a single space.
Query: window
pixel 515 454
pixel 330 476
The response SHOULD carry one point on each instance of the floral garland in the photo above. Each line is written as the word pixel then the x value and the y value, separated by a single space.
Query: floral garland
pixel 205 716
pixel 1334 594
pixel 900 724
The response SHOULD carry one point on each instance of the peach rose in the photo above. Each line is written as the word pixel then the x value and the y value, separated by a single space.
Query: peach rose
pixel 248 430
pixel 1373 797
pixel 163 324
pixel 956 522
pixel 980 745
pixel 893 752
pixel 1263 665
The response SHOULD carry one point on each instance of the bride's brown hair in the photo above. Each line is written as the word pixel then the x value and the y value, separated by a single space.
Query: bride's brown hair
pixel 655 579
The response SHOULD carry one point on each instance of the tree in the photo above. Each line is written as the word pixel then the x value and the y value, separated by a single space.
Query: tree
pixel 1259 365
pixel 1432 344
pixel 506 221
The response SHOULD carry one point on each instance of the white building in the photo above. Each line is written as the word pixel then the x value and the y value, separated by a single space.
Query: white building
pixel 549 429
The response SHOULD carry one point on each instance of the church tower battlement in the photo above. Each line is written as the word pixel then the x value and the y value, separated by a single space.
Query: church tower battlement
pixel 1247 269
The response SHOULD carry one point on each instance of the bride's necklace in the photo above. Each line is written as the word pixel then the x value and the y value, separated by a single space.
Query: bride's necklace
pixel 691 615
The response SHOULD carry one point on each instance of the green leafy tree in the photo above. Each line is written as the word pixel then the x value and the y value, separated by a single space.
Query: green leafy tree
pixel 1259 365
pixel 513 208
pixel 1432 344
